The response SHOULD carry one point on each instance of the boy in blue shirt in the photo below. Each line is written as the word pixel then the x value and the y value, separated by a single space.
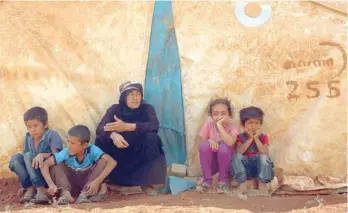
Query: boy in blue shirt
pixel 79 169
pixel 39 143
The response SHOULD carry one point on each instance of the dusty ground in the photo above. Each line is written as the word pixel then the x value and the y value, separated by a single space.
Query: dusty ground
pixel 185 202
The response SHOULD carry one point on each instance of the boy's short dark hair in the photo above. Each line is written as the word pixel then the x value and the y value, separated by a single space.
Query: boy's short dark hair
pixel 80 131
pixel 251 112
pixel 38 113
pixel 223 101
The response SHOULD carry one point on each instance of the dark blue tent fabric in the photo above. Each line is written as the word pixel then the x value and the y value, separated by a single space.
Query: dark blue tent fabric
pixel 163 83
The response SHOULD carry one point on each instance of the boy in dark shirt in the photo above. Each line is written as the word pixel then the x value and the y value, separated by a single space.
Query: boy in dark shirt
pixel 252 158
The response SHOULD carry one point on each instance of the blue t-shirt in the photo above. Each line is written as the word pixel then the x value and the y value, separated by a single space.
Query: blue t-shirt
pixel 92 155
pixel 50 140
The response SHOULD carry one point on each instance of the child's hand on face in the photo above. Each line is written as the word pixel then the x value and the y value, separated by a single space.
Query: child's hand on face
pixel 213 145
pixel 224 121
pixel 249 132
pixel 257 133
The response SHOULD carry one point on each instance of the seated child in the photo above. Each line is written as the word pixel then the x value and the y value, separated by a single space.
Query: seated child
pixel 39 143
pixel 79 169
pixel 252 158
pixel 218 136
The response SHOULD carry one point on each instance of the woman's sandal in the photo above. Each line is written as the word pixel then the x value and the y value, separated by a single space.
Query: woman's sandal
pixel 149 191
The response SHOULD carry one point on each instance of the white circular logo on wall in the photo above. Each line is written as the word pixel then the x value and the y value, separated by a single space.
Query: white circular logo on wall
pixel 247 19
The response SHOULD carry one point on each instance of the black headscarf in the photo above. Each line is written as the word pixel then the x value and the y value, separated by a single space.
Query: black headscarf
pixel 128 114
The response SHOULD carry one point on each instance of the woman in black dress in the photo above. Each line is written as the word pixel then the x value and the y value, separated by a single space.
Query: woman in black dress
pixel 128 132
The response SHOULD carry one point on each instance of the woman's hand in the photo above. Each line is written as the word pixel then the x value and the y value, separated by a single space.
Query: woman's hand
pixel 118 140
pixel 117 126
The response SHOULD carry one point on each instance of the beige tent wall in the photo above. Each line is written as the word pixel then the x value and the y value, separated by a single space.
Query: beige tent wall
pixel 69 57
pixel 221 57
pixel 340 6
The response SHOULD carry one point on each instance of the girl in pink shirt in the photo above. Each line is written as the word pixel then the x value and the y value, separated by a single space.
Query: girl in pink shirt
pixel 218 138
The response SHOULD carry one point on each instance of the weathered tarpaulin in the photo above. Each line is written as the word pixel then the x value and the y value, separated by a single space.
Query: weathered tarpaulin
pixel 69 57
pixel 291 62
pixel 293 66
pixel 163 83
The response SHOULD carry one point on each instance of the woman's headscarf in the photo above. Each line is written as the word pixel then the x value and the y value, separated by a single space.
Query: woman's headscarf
pixel 128 114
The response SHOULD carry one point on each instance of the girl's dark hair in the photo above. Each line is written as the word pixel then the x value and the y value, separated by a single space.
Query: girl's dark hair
pixel 223 101
pixel 38 113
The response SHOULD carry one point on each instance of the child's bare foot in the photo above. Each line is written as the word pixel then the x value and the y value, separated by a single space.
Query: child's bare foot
pixel 103 189
pixel 67 194
pixel 65 198
pixel 234 184
pixel 242 188
pixel 262 187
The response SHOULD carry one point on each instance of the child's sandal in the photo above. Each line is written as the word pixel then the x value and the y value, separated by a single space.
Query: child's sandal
pixel 97 197
pixel 27 197
pixel 40 198
pixel 205 187
pixel 82 199
pixel 222 188
pixel 62 200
